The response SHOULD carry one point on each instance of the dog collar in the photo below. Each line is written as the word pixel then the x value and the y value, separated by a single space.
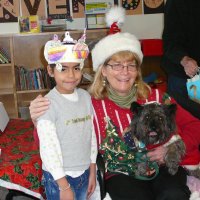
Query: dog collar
pixel 173 138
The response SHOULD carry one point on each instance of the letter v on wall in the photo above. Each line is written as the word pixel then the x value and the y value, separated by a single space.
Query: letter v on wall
pixel 33 7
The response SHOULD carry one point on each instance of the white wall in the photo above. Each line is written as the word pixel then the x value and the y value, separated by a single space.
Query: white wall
pixel 143 26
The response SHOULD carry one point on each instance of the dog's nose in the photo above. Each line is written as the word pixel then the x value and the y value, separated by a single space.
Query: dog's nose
pixel 153 126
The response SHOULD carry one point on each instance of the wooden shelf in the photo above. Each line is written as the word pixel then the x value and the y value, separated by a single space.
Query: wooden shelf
pixel 6 91
pixel 32 91
pixel 6 65
pixel 12 115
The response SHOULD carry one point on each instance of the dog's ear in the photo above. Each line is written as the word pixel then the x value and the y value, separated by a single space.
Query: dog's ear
pixel 135 107
pixel 170 110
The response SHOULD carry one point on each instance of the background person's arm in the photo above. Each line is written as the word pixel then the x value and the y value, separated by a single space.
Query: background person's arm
pixel 174 33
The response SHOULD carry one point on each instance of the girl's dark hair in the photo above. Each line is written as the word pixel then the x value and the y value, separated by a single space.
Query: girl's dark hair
pixel 52 65
pixel 51 79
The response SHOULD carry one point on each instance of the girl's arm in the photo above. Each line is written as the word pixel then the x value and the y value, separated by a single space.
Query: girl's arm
pixel 51 155
pixel 50 150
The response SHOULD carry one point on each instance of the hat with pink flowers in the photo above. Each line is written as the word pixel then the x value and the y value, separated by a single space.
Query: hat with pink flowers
pixel 69 50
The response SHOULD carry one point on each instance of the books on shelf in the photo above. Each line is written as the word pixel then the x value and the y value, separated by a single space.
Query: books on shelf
pixel 4 56
pixel 32 79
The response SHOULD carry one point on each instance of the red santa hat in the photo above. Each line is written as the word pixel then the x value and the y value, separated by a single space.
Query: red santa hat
pixel 115 41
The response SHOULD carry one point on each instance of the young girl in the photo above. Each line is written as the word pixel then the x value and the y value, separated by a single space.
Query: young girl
pixel 66 134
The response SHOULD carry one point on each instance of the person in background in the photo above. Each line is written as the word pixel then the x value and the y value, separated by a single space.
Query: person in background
pixel 67 140
pixel 181 42
pixel 117 84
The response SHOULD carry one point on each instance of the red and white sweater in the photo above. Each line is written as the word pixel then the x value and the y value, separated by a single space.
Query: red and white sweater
pixel 188 126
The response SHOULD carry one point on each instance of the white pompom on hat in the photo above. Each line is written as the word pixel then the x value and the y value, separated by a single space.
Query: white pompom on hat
pixel 112 44
pixel 115 14
pixel 115 41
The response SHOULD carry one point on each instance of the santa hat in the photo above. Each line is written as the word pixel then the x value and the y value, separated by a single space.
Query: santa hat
pixel 69 50
pixel 115 41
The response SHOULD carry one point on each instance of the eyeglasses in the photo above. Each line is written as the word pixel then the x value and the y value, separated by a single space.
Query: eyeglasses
pixel 120 67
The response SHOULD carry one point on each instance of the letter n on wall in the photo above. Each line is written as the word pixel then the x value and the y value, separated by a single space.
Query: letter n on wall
pixel 78 7
pixel 9 11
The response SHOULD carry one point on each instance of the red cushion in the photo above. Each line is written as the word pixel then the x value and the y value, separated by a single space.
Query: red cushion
pixel 152 47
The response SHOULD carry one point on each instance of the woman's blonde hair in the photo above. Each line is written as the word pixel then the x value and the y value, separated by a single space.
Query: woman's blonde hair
pixel 99 91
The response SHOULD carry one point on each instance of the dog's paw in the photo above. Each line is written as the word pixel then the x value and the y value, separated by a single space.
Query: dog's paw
pixel 173 171
pixel 195 173
pixel 172 163
pixel 141 169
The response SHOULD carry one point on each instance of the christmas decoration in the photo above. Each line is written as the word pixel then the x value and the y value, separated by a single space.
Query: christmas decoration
pixel 125 156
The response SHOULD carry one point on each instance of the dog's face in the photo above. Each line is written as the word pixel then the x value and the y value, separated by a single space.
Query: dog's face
pixel 153 123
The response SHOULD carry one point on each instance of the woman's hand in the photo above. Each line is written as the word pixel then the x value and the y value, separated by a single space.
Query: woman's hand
pixel 38 107
pixel 158 154
pixel 92 180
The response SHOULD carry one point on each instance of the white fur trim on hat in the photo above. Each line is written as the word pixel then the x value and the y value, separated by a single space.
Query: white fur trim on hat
pixel 112 44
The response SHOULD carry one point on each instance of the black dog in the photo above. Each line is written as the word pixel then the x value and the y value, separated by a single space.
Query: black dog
pixel 154 123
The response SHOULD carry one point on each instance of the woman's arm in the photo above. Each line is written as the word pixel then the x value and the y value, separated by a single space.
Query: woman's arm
pixel 38 107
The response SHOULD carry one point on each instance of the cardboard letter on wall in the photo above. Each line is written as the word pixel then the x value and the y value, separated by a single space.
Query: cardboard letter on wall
pixel 33 7
pixel 58 9
pixel 9 10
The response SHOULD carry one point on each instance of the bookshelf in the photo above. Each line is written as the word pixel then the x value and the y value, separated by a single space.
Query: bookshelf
pixel 26 50
pixel 7 76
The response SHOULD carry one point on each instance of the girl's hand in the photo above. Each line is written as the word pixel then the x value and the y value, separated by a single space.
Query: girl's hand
pixel 38 107
pixel 67 194
pixel 92 180
pixel 158 154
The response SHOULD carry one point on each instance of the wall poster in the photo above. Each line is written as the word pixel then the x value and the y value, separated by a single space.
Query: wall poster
pixel 153 6
pixel 133 7
pixel 95 12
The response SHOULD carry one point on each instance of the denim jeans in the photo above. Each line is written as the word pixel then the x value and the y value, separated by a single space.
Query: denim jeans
pixel 79 186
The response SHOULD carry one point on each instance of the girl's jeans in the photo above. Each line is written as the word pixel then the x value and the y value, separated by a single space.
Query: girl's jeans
pixel 79 186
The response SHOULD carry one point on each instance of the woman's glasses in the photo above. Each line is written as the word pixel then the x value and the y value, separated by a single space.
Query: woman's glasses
pixel 120 67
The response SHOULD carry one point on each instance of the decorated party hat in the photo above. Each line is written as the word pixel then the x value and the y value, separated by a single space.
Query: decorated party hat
pixel 69 50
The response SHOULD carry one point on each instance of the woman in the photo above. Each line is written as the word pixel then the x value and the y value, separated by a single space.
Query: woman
pixel 118 83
